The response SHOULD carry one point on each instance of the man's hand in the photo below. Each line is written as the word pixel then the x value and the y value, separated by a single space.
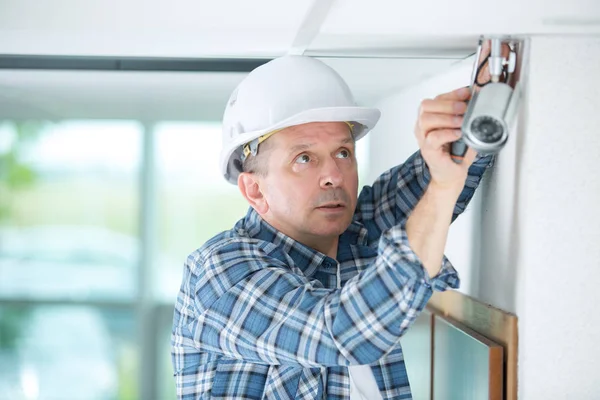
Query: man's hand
pixel 437 127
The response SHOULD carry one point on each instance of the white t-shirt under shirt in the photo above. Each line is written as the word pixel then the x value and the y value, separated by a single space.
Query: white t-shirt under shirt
pixel 362 383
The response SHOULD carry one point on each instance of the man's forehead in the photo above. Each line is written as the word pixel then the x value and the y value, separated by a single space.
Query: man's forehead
pixel 317 131
pixel 309 126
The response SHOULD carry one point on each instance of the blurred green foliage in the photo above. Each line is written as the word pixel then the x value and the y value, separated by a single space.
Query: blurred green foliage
pixel 11 324
pixel 15 170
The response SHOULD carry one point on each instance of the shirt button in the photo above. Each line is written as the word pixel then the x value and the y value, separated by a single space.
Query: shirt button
pixel 327 264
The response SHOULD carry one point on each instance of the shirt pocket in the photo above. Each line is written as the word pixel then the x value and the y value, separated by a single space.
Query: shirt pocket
pixel 236 379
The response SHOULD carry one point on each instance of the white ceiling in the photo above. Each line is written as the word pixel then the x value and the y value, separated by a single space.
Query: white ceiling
pixel 267 28
pixel 376 45
pixel 174 96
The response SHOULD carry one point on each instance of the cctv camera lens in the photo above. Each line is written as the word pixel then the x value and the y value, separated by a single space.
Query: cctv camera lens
pixel 486 129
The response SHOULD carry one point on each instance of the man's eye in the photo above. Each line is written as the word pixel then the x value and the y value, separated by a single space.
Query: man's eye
pixel 343 153
pixel 303 159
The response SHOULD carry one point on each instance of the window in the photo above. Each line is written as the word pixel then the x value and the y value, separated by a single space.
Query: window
pixel 194 201
pixel 97 218
pixel 67 352
pixel 69 257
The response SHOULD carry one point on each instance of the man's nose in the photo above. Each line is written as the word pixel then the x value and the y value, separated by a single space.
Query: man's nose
pixel 331 175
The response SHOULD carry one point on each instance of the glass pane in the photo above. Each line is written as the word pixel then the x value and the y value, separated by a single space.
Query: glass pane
pixel 166 380
pixel 67 352
pixel 69 209
pixel 194 201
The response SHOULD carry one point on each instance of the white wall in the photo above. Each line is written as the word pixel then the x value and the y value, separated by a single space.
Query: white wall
pixel 538 221
pixel 393 140
pixel 540 226
pixel 557 218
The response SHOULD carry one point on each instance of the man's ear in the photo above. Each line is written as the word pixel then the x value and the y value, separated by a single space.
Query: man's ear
pixel 249 186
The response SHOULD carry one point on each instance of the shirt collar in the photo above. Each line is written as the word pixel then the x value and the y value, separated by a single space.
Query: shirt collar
pixel 305 258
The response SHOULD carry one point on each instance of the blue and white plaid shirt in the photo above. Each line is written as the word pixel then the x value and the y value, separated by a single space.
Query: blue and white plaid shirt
pixel 259 315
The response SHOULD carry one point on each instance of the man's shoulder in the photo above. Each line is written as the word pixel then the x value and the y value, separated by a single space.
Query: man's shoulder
pixel 227 246
pixel 215 245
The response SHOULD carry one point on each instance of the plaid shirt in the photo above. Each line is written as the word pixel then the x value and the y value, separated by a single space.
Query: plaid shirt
pixel 260 316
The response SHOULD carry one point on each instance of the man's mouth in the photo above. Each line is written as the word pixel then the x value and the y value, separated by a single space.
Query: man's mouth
pixel 332 205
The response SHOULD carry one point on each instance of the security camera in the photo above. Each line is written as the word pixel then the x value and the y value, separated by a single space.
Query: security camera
pixel 489 117
pixel 493 105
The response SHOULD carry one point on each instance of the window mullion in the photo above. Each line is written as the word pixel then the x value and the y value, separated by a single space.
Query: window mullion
pixel 146 335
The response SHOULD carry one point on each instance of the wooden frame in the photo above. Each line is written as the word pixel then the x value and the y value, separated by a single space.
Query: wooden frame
pixel 490 322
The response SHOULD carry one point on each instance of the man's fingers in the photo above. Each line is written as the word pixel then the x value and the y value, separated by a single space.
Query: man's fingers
pixel 443 106
pixel 440 137
pixel 440 119
pixel 461 94
pixel 430 122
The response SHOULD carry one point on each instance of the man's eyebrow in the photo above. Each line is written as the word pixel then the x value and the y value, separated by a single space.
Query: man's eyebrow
pixel 306 146
pixel 301 147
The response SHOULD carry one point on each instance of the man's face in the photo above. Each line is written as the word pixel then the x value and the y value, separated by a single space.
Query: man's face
pixel 312 181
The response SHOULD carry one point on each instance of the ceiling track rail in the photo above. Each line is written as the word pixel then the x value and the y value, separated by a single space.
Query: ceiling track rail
pixel 311 26
pixel 138 64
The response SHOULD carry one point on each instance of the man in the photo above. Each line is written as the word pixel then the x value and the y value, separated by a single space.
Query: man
pixel 308 295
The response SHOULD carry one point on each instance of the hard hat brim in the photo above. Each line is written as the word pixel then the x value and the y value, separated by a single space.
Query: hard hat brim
pixel 365 116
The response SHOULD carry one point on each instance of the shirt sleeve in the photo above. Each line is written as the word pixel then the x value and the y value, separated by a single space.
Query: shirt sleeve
pixel 396 192
pixel 244 303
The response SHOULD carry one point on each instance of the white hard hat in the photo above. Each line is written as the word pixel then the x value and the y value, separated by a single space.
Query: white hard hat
pixel 287 91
